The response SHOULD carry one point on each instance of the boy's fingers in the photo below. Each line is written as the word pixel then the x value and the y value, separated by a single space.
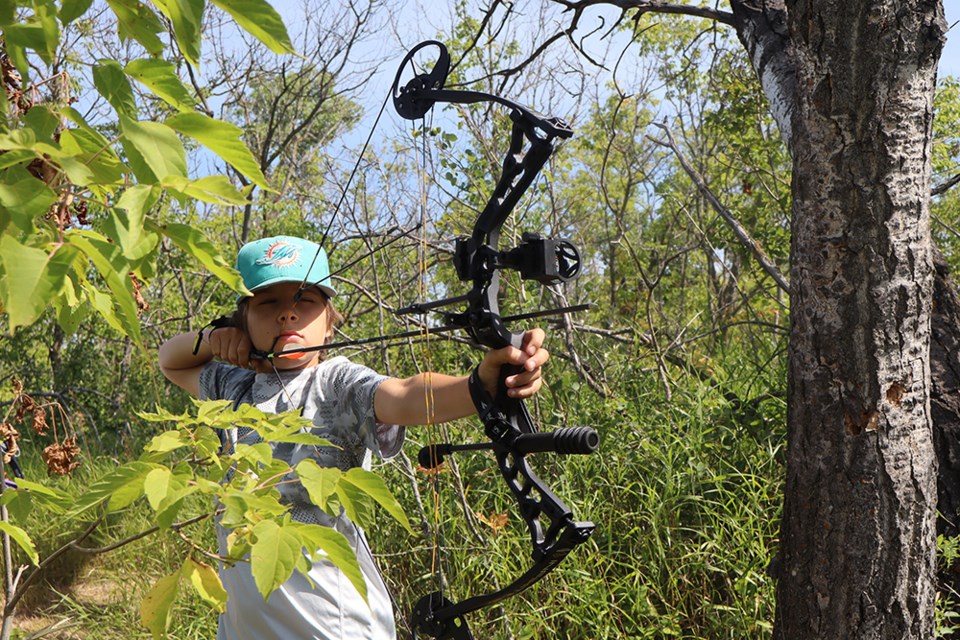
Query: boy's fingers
pixel 243 354
pixel 533 340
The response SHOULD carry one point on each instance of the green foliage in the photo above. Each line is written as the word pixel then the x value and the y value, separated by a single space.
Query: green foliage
pixel 184 464
pixel 945 207
pixel 680 364
pixel 947 616
pixel 58 166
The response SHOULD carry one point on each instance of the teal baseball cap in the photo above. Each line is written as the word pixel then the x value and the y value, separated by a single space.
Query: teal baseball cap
pixel 268 261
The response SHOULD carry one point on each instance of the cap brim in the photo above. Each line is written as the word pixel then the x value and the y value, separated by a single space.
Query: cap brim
pixel 263 285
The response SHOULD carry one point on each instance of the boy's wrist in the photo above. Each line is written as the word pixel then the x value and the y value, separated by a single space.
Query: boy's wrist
pixel 217 323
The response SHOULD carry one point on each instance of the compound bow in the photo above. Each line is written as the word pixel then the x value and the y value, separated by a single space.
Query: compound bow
pixel 507 423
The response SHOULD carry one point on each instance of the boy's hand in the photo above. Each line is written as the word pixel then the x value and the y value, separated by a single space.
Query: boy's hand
pixel 530 357
pixel 231 345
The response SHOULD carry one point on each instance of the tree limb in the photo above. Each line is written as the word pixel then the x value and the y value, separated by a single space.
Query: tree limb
pixel 652 6
pixel 742 234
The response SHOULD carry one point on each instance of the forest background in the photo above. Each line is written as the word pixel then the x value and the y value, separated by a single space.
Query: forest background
pixel 680 364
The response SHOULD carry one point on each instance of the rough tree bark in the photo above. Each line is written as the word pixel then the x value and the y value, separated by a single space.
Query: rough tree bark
pixel 857 551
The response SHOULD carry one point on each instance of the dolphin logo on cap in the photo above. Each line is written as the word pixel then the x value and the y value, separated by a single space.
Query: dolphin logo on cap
pixel 281 254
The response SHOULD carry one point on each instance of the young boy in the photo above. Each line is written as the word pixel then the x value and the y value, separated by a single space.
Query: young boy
pixel 354 407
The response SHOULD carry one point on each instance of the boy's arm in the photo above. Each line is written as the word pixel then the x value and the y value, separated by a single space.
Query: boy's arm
pixel 405 401
pixel 179 364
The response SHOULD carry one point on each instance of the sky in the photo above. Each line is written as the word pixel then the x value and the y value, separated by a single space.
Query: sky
pixel 950 58
pixel 417 20
pixel 422 19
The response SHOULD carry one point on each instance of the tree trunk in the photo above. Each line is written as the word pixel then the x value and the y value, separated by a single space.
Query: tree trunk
pixel 858 535
pixel 945 410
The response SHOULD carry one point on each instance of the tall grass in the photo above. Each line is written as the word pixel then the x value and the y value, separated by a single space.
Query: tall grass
pixel 100 593
pixel 686 497
pixel 685 494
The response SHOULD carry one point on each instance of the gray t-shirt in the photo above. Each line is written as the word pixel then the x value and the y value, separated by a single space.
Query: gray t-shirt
pixel 337 395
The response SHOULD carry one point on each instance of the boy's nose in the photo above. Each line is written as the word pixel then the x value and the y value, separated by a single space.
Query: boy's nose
pixel 289 313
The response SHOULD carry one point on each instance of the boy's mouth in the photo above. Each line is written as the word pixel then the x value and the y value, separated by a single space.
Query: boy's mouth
pixel 286 341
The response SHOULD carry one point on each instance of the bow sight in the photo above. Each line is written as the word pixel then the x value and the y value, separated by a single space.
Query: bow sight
pixel 545 260
pixel 507 423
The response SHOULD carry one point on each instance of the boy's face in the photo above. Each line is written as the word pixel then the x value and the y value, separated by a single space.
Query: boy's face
pixel 276 321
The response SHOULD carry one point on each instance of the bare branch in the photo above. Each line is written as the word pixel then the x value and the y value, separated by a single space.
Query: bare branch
pixel 945 186
pixel 652 6
pixel 742 234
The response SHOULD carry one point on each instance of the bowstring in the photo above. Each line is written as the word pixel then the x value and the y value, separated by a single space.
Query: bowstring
pixel 326 233
pixel 344 191
pixel 435 432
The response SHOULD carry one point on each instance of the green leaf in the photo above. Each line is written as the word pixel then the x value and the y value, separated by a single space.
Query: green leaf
pixel 70 314
pixel 274 555
pixel 373 485
pixel 320 482
pixel 156 485
pixel 112 84
pixel 240 505
pixel 43 121
pixel 154 150
pixel 34 487
pixel 129 230
pixel 186 16
pixel 261 20
pixel 168 441
pixel 207 583
pixel 213 189
pixel 31 278
pixel 19 58
pixel 22 539
pixel 223 139
pixel 8 12
pixel 19 504
pixel 358 506
pixel 93 149
pixel 260 453
pixel 39 32
pixel 136 21
pixel 207 444
pixel 23 198
pixel 212 409
pixel 337 550
pixel 293 434
pixel 70 10
pixel 53 500
pixel 155 608
pixel 170 507
pixel 99 161
pixel 161 78
pixel 119 487
pixel 107 259
pixel 195 244
pixel 16 156
pixel 103 304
